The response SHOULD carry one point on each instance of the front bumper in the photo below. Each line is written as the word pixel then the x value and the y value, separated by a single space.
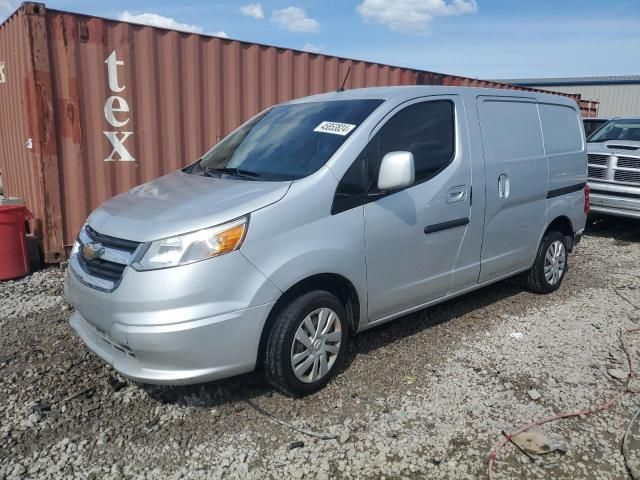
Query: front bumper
pixel 188 324
pixel 192 352
pixel 614 199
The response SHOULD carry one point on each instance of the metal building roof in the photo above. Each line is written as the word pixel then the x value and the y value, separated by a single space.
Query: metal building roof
pixel 608 80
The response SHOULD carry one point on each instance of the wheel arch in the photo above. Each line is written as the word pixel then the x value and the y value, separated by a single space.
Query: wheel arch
pixel 563 225
pixel 334 283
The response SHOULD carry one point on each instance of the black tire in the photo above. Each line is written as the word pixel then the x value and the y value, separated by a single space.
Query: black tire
pixel 535 279
pixel 278 351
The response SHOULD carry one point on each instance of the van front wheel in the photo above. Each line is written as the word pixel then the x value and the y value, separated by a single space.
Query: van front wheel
pixel 306 344
pixel 550 265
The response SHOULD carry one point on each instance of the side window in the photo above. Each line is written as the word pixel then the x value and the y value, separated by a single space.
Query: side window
pixel 561 129
pixel 426 129
pixel 352 188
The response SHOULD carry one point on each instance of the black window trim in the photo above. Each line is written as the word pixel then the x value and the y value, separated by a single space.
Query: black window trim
pixel 339 205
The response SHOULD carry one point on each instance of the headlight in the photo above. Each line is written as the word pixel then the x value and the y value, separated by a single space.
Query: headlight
pixel 193 247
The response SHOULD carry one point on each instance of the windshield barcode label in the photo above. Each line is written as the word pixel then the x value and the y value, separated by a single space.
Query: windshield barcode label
pixel 334 127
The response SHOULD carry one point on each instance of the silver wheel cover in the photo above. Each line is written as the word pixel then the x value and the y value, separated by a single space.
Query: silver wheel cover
pixel 554 262
pixel 316 345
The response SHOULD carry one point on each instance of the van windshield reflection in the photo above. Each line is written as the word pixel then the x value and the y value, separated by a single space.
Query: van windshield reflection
pixel 286 142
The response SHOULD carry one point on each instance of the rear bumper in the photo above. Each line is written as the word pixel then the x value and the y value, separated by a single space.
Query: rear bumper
pixel 613 199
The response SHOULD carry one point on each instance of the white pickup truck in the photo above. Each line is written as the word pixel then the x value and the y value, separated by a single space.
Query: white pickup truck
pixel 614 168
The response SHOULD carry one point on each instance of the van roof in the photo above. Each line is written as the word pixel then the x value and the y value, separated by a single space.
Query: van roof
pixel 408 92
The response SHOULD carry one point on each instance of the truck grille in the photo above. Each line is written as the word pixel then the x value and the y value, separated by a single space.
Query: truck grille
pixel 623 168
pixel 595 172
pixel 629 162
pixel 627 176
pixel 102 259
pixel 598 159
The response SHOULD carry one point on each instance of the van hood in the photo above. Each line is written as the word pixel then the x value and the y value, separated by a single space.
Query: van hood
pixel 179 203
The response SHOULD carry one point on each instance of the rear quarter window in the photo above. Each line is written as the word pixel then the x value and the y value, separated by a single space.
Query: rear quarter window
pixel 561 129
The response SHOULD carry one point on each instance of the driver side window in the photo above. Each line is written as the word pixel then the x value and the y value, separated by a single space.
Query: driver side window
pixel 425 129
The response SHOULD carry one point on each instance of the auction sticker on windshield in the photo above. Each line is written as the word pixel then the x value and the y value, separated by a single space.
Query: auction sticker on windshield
pixel 335 128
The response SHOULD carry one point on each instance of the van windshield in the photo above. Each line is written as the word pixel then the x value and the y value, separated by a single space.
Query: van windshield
pixel 628 129
pixel 286 142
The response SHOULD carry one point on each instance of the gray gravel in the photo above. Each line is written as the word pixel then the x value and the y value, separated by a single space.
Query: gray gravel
pixel 425 396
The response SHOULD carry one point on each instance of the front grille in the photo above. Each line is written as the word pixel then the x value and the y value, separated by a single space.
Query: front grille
pixel 595 172
pixel 112 259
pixel 629 162
pixel 598 159
pixel 627 176
pixel 101 268
pixel 112 242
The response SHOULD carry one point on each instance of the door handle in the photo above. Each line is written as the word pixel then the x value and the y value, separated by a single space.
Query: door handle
pixel 457 194
pixel 503 186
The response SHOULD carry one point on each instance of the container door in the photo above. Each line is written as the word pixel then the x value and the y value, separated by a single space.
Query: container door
pixel 413 236
pixel 516 184
pixel 19 148
pixel 28 128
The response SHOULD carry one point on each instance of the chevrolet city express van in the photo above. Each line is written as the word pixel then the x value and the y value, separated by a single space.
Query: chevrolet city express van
pixel 323 217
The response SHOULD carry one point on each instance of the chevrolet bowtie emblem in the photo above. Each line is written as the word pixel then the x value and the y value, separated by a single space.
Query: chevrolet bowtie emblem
pixel 93 250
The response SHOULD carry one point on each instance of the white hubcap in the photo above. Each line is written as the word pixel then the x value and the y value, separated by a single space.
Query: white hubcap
pixel 316 345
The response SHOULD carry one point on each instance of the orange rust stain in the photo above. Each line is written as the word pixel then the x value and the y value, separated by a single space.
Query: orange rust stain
pixel 45 112
pixel 69 119
pixel 56 27
pixel 68 113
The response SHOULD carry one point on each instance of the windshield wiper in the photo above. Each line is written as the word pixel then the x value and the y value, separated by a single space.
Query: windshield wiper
pixel 238 172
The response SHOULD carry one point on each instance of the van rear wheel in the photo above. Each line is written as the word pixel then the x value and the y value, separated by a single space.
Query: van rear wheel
pixel 306 344
pixel 550 265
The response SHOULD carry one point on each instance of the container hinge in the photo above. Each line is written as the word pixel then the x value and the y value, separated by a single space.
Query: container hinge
pixel 32 8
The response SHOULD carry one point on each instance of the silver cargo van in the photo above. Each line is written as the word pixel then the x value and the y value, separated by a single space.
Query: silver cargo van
pixel 323 217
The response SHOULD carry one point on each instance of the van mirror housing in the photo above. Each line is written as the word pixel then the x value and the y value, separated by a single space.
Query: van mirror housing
pixel 396 171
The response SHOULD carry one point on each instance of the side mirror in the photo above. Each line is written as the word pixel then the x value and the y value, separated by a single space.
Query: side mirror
pixel 396 171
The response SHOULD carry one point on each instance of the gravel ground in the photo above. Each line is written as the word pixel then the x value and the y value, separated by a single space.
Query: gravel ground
pixel 424 396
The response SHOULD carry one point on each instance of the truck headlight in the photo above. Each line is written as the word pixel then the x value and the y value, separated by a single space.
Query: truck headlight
pixel 193 247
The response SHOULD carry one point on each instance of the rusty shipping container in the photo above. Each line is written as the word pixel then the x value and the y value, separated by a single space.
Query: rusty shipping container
pixel 90 107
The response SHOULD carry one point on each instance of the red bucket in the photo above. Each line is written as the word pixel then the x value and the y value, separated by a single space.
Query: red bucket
pixel 14 254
